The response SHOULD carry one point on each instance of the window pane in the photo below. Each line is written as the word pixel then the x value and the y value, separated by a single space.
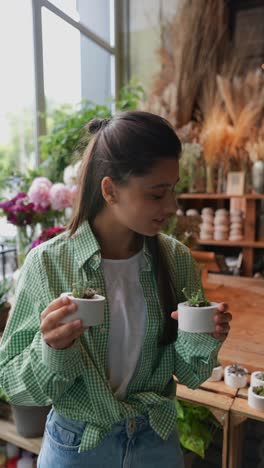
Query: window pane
pixel 74 66
pixel 16 86
pixel 96 15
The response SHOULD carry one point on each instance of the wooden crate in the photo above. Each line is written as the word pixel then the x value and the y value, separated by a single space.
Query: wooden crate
pixel 240 411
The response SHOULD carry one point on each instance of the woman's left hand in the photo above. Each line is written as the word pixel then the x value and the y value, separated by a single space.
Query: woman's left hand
pixel 222 319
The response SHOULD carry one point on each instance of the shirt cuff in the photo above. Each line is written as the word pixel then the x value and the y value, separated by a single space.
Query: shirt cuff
pixel 61 360
pixel 204 346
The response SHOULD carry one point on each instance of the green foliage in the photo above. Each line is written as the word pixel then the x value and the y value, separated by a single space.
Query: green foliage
pixel 129 96
pixel 196 299
pixel 68 137
pixel 184 228
pixel 5 286
pixel 3 395
pixel 196 426
pixel 259 390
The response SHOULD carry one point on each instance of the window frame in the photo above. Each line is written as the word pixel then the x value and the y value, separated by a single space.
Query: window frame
pixel 115 51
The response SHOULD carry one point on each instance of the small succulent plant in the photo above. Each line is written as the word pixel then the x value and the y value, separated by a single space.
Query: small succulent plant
pixel 237 370
pixel 196 299
pixel 83 291
pixel 259 390
pixel 260 376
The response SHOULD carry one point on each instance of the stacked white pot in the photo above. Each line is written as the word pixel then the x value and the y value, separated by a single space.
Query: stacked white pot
pixel 207 225
pixel 236 225
pixel 221 224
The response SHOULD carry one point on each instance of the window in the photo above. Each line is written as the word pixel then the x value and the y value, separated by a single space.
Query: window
pixel 16 86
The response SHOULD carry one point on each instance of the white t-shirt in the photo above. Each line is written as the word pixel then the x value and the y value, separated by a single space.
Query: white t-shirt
pixel 127 307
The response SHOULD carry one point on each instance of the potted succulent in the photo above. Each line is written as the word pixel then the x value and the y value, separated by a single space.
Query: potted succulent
pixel 5 286
pixel 236 376
pixel 256 397
pixel 196 315
pixel 90 305
pixel 217 373
pixel 257 379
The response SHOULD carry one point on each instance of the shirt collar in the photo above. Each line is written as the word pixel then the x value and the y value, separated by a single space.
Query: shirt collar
pixel 87 248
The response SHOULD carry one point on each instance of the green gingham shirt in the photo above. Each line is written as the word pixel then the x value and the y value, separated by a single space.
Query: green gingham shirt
pixel 75 379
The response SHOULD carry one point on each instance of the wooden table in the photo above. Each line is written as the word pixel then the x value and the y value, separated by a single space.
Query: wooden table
pixel 245 297
pixel 244 345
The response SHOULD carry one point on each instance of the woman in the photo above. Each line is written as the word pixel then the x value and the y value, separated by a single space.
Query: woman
pixel 111 386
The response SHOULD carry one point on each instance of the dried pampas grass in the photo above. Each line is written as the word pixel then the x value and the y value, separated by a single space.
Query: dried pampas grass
pixel 215 134
pixel 195 41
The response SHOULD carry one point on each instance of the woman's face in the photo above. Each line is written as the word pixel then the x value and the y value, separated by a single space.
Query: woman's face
pixel 145 203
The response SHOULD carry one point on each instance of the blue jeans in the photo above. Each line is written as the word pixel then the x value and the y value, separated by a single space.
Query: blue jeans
pixel 130 444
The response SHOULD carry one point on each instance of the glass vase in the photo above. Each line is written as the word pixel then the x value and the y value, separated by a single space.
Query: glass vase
pixel 22 244
pixel 210 180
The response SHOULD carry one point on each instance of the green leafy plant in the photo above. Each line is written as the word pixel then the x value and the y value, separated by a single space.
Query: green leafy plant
pixel 259 390
pixel 196 299
pixel 68 137
pixel 5 286
pixel 196 427
pixel 184 228
pixel 3 396
pixel 130 95
pixel 83 292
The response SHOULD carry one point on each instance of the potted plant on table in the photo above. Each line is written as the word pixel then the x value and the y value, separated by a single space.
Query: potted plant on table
pixel 236 376
pixel 256 397
pixel 257 379
pixel 90 305
pixel 217 373
pixel 196 315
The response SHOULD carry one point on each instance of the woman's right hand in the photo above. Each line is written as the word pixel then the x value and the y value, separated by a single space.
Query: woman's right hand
pixel 56 334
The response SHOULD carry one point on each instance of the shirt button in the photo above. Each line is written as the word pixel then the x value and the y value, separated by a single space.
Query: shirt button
pixel 103 330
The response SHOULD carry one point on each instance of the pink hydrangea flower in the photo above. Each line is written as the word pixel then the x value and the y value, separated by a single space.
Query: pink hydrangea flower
pixel 39 192
pixel 60 197
pixel 73 191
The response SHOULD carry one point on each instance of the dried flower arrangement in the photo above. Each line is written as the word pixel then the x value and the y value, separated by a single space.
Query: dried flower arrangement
pixel 195 40
pixel 205 90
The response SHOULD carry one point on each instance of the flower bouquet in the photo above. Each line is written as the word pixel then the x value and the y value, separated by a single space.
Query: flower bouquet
pixel 44 205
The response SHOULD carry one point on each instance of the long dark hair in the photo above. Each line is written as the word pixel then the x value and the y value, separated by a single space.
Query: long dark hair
pixel 129 144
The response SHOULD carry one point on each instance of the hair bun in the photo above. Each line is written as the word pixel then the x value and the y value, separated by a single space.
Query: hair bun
pixel 96 124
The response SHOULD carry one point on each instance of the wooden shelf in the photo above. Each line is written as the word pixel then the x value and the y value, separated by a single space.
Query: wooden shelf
pixel 220 196
pixel 227 243
pixel 249 204
pixel 9 433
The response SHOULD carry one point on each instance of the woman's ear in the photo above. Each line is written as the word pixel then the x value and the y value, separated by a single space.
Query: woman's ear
pixel 109 190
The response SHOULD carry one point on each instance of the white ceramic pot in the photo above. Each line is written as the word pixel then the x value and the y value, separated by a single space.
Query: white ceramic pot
pixel 217 374
pixel 233 380
pixel 255 381
pixel 90 311
pixel 254 400
pixel 197 319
